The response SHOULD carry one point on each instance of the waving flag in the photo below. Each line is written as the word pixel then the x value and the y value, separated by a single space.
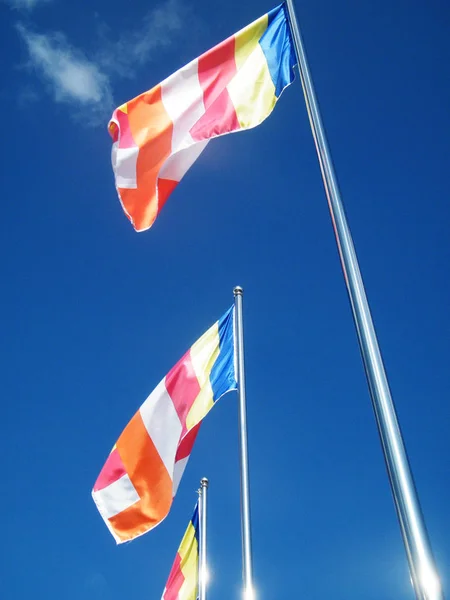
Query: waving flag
pixel 183 579
pixel 134 490
pixel 158 135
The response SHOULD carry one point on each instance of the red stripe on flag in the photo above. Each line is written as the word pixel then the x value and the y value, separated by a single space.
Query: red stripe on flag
pixel 216 69
pixel 175 581
pixel 185 448
pixel 183 387
pixel 165 188
pixel 113 469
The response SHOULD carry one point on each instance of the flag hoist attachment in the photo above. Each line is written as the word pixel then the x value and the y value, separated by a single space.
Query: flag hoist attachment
pixel 418 550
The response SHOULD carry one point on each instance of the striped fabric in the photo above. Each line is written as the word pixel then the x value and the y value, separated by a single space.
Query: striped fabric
pixel 183 579
pixel 158 135
pixel 141 475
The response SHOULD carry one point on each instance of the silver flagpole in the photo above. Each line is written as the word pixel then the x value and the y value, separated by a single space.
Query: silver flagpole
pixel 247 568
pixel 203 565
pixel 421 563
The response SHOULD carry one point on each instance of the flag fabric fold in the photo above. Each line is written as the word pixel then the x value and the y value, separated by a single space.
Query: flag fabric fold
pixel 140 477
pixel 182 583
pixel 158 135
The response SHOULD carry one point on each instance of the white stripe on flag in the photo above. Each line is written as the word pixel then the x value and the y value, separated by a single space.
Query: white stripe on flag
pixel 182 97
pixel 177 165
pixel 162 424
pixel 116 497
pixel 178 471
pixel 124 162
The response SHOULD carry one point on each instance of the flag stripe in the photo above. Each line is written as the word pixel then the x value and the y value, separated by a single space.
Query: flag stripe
pixel 253 103
pixel 278 50
pixel 178 471
pixel 175 581
pixel 223 375
pixel 146 469
pixel 248 39
pixel 162 424
pixel 183 453
pixel 204 352
pixel 135 521
pixel 183 387
pixel 180 92
pixel 216 68
pixel 178 164
pixel 116 498
pixel 203 355
pixel 139 204
pixel 113 469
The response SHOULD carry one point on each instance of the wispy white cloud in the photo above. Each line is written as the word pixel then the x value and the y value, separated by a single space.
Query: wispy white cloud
pixel 25 4
pixel 158 31
pixel 86 81
pixel 69 74
pixel 26 96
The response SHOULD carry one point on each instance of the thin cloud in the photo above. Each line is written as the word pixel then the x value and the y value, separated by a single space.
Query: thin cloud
pixel 25 4
pixel 70 76
pixel 27 96
pixel 86 82
pixel 133 49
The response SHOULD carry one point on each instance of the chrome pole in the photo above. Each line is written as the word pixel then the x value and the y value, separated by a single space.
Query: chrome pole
pixel 420 558
pixel 203 565
pixel 247 568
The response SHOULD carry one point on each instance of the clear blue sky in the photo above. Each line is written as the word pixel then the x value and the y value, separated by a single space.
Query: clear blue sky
pixel 94 314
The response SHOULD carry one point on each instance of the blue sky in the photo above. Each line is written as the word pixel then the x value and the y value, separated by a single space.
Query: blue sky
pixel 94 314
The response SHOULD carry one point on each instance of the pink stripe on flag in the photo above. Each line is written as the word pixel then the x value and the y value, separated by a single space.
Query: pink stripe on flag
pixel 183 387
pixel 126 137
pixel 175 581
pixel 185 448
pixel 113 469
pixel 216 69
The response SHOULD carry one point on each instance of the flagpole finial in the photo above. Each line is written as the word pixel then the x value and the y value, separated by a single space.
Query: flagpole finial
pixel 238 291
pixel 204 482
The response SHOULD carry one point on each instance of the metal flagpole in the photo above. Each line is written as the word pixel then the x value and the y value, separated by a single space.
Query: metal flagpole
pixel 203 568
pixel 247 568
pixel 421 563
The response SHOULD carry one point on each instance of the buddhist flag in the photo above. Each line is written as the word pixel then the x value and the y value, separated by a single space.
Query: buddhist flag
pixel 158 135
pixel 134 490
pixel 183 579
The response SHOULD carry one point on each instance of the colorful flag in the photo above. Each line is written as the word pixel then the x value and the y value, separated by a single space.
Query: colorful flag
pixel 134 490
pixel 158 135
pixel 183 579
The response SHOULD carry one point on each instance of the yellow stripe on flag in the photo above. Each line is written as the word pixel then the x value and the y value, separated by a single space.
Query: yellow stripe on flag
pixel 247 40
pixel 252 90
pixel 203 356
pixel 188 552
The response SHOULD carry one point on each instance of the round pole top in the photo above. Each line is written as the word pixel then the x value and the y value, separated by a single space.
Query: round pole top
pixel 238 291
pixel 204 482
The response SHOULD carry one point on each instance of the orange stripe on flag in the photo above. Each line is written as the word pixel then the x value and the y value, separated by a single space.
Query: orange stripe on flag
pixel 149 477
pixel 151 129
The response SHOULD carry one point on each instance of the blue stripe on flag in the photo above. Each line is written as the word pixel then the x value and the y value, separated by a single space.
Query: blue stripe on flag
pixel 194 522
pixel 222 376
pixel 276 43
